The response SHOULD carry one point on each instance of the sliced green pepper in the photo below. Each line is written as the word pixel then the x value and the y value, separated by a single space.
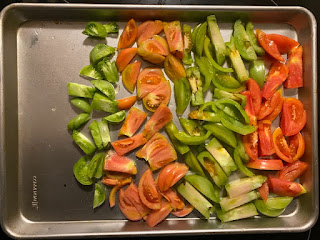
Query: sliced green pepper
pixel 80 171
pixel 95 29
pixel 95 167
pixel 79 90
pixel 78 121
pixel 101 51
pixel 187 44
pixel 99 195
pixel 206 69
pixel 101 102
pixel 204 116
pixel 83 142
pixel 182 95
pixel 94 129
pixel 105 87
pixel 257 72
pixel 171 129
pixel 222 133
pixel 240 165
pixel 221 94
pixel 227 83
pixel 233 109
pixel 82 104
pixel 211 105
pixel 193 163
pixel 192 127
pixel 253 39
pixel 191 140
pixel 194 78
pixel 108 70
pixel 111 27
pixel 116 117
pixel 91 72
pixel 104 133
pixel 200 38
pixel 194 35
pixel 241 40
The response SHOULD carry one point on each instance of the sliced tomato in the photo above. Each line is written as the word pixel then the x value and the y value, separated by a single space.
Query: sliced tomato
pixel 112 194
pixel 127 208
pixel 292 171
pixel 148 29
pixel 158 152
pixel 293 117
pixel 266 147
pixel 255 92
pixel 297 146
pixel 132 193
pixel 274 114
pixel 161 95
pixel 126 103
pixel 124 57
pixel 157 216
pixel 276 76
pixel 173 34
pixel 285 188
pixel 154 50
pixel 148 191
pixel 283 43
pixel 148 81
pixel 161 117
pixel 132 122
pixel 249 108
pixel 266 164
pixel 173 198
pixel 130 75
pixel 268 105
pixel 264 191
pixel 170 175
pixel 250 142
pixel 114 182
pixel 268 45
pixel 183 212
pixel 294 64
pixel 116 163
pixel 174 68
pixel 128 35
pixel 126 145
pixel 281 146
pixel 116 175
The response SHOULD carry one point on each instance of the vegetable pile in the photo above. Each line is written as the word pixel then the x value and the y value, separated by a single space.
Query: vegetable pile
pixel 229 135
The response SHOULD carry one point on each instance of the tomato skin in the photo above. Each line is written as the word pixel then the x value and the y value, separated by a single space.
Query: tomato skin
pixel 268 45
pixel 285 188
pixel 270 104
pixel 281 146
pixel 112 194
pixel 266 164
pixel 274 114
pixel 266 147
pixel 132 193
pixel 183 212
pixel 294 64
pixel 293 171
pixel 293 117
pixel 276 76
pixel 249 108
pixel 297 146
pixel 154 50
pixel 126 145
pixel 173 34
pixel 264 191
pixel 132 122
pixel 148 81
pixel 157 216
pixel 127 208
pixel 255 92
pixel 129 35
pixel 130 75
pixel 148 29
pixel 124 57
pixel 126 103
pixel 173 198
pixel 250 142
pixel 283 43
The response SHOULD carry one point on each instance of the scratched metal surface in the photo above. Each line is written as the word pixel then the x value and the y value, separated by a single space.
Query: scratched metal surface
pixel 37 150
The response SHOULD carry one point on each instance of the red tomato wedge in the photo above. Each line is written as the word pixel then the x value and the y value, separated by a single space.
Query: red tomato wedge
pixel 293 117
pixel 128 144
pixel 112 194
pixel 127 208
pixel 255 92
pixel 148 191
pixel 132 122
pixel 161 117
pixel 250 142
pixel 132 193
pixel 294 64
pixel 130 75
pixel 276 76
pixel 158 152
pixel 283 43
pixel 297 146
pixel 124 57
pixel 269 105
pixel 173 198
pixel 126 103
pixel 173 34
pixel 274 114
pixel 292 171
pixel 264 191
pixel 116 163
pixel 183 212
pixel 285 188
pixel 157 216
pixel 268 45
pixel 249 109
pixel 148 81
pixel 266 164
pixel 114 182
pixel 154 50
pixel 148 29
pixel 170 175
pixel 266 147
pixel 128 35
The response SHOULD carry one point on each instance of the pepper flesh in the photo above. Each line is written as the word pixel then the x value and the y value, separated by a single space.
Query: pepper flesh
pixel 171 129
pixel 206 69
pixel 193 76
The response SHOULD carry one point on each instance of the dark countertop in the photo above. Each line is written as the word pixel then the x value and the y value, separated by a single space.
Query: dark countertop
pixel 312 5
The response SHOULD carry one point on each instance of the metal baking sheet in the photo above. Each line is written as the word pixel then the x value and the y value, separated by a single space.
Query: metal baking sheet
pixel 42 48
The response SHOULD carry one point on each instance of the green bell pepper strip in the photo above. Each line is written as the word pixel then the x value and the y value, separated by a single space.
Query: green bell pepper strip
pixel 191 140
pixel 201 147
pixel 204 116
pixel 79 90
pixel 206 70
pixel 78 121
pixel 222 133
pixel 242 43
pixel 101 102
pixel 95 133
pixel 213 168
pixel 242 152
pixel 193 163
pixel 95 29
pixel 234 125
pixel 99 195
pixel 216 39
pixel 265 210
pixel 82 104
pixel 200 38
pixel 91 72
pixel 192 127
pixel 83 142
pixel 257 72
pixel 204 186
pixel 95 167
pixel 227 83
pixel 171 129
pixel 253 39
pixel 104 133
pixel 101 51
pixel 182 95
pixel 194 35
pixel 80 171
pixel 108 70
pixel 210 58
pixel 194 78
pixel 117 117
pixel 105 87
pixel 233 109
pixel 221 94
pixel 236 61
pixel 278 202
pixel 111 27
pixel 187 43
pixel 211 105
pixel 240 165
